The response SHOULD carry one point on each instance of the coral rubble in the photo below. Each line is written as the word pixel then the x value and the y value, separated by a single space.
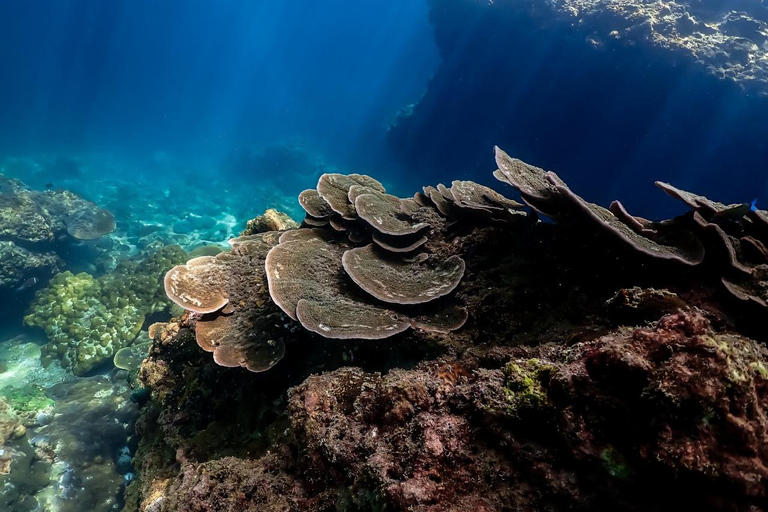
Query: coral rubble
pixel 501 363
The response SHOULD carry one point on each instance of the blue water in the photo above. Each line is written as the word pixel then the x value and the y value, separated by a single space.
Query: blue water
pixel 193 82
pixel 193 90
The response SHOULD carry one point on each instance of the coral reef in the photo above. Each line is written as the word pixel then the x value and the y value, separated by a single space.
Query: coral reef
pixel 31 223
pixel 730 238
pixel 87 319
pixel 63 440
pixel 308 271
pixel 28 216
pixel 18 263
pixel 546 428
pixel 509 363
pixel 239 324
pixel 270 220
pixel 569 421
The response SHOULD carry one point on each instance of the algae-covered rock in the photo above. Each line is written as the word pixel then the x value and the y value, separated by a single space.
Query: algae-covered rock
pixel 32 223
pixel 270 220
pixel 18 263
pixel 21 216
pixel 27 402
pixel 525 384
pixel 11 427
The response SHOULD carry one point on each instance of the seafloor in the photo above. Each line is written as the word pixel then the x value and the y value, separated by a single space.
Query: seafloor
pixel 453 350
pixel 84 244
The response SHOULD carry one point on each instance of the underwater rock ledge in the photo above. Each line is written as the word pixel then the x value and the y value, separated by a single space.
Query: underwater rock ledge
pixel 574 74
pixel 574 364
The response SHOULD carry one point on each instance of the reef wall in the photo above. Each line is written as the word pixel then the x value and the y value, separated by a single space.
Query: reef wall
pixel 615 92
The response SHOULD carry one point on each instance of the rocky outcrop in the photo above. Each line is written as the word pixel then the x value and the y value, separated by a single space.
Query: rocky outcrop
pixel 726 39
pixel 677 407
pixel 674 90
pixel 33 225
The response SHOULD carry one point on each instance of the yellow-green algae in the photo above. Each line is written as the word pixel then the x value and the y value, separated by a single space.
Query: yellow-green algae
pixel 525 384
pixel 27 402
pixel 615 463
pixel 87 320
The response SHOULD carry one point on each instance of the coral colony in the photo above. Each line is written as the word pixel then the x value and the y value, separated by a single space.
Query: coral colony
pixel 510 371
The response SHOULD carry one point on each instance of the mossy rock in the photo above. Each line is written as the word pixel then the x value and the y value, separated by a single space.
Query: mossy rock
pixel 27 401
pixel 526 385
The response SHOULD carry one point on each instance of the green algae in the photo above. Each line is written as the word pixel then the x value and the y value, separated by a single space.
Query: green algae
pixel 27 401
pixel 615 463
pixel 525 384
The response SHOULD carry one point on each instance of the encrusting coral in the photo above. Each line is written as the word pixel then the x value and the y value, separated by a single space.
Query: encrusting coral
pixel 519 368
pixel 87 319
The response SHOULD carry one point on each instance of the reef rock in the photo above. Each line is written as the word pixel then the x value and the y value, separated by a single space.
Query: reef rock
pixel 17 264
pixel 532 428
pixel 504 363
pixel 32 221
pixel 270 220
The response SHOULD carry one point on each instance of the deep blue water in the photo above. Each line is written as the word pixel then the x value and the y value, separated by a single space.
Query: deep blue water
pixel 194 81
pixel 609 117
